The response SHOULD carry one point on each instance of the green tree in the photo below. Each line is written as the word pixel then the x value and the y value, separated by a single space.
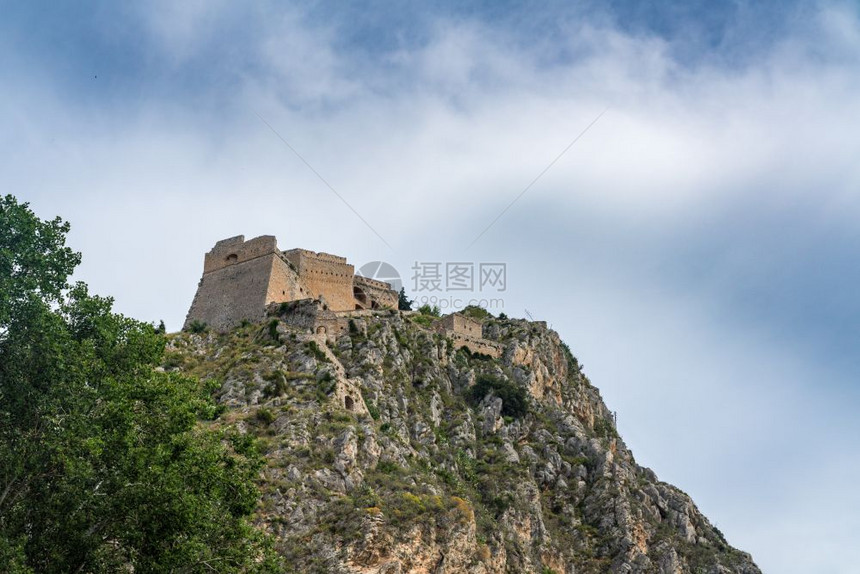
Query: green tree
pixel 433 311
pixel 404 303
pixel 34 263
pixel 514 398
pixel 106 464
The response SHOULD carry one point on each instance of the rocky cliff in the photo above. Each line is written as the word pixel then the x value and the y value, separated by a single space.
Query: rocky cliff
pixel 388 451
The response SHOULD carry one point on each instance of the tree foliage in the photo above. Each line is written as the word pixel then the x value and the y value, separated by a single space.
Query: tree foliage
pixel 106 463
pixel 430 311
pixel 514 398
pixel 34 263
pixel 404 303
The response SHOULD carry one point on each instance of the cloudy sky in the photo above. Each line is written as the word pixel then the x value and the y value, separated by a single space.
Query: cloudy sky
pixel 697 246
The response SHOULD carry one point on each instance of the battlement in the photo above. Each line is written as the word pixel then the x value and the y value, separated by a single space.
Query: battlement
pixel 236 250
pixel 361 279
pixel 319 255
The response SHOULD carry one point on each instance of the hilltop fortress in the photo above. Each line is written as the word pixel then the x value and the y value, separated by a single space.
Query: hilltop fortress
pixel 317 292
pixel 241 278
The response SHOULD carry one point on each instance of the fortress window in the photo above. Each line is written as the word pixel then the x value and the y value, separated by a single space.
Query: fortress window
pixel 348 403
pixel 232 258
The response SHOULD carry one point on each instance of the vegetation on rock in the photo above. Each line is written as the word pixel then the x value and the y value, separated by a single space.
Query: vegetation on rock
pixel 453 460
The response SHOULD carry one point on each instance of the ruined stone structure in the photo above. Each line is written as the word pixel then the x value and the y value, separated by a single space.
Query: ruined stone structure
pixel 240 278
pixel 460 324
pixel 467 332
pixel 313 317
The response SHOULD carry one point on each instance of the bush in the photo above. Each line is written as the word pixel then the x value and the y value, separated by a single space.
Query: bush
pixel 604 429
pixel 372 409
pixel 514 401
pixel 273 331
pixel 423 320
pixel 325 386
pixel 316 352
pixel 196 326
pixel 387 467
pixel 433 311
pixel 265 416
pixel 572 362
pixel 476 312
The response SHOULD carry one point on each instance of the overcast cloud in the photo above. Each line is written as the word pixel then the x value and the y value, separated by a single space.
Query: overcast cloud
pixel 697 247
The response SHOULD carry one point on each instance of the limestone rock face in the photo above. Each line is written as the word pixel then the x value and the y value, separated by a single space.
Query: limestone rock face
pixel 388 451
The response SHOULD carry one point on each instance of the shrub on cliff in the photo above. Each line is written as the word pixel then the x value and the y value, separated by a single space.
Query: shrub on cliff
pixel 404 303
pixel 514 400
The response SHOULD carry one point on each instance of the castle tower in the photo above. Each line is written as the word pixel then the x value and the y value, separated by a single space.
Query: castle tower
pixel 239 279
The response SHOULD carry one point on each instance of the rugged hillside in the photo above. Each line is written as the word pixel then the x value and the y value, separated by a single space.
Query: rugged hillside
pixel 388 451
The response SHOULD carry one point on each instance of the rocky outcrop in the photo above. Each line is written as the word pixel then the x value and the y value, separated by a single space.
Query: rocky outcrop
pixel 388 451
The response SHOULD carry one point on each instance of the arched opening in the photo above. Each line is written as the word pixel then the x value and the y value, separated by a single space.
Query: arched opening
pixel 232 258
pixel 361 298
pixel 320 330
pixel 348 403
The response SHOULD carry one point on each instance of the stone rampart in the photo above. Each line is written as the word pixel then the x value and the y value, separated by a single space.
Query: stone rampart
pixel 477 345
pixel 319 255
pixel 227 296
pixel 324 275
pixel 457 323
pixel 309 315
pixel 373 294
pixel 236 250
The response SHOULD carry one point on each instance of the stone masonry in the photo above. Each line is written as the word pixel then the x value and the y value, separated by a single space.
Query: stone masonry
pixel 467 332
pixel 241 278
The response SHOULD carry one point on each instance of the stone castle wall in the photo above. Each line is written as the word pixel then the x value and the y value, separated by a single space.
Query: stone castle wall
pixel 236 250
pixel 240 278
pixel 227 296
pixel 284 282
pixel 477 345
pixel 457 323
pixel 467 332
pixel 309 314
pixel 329 276
pixel 373 294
